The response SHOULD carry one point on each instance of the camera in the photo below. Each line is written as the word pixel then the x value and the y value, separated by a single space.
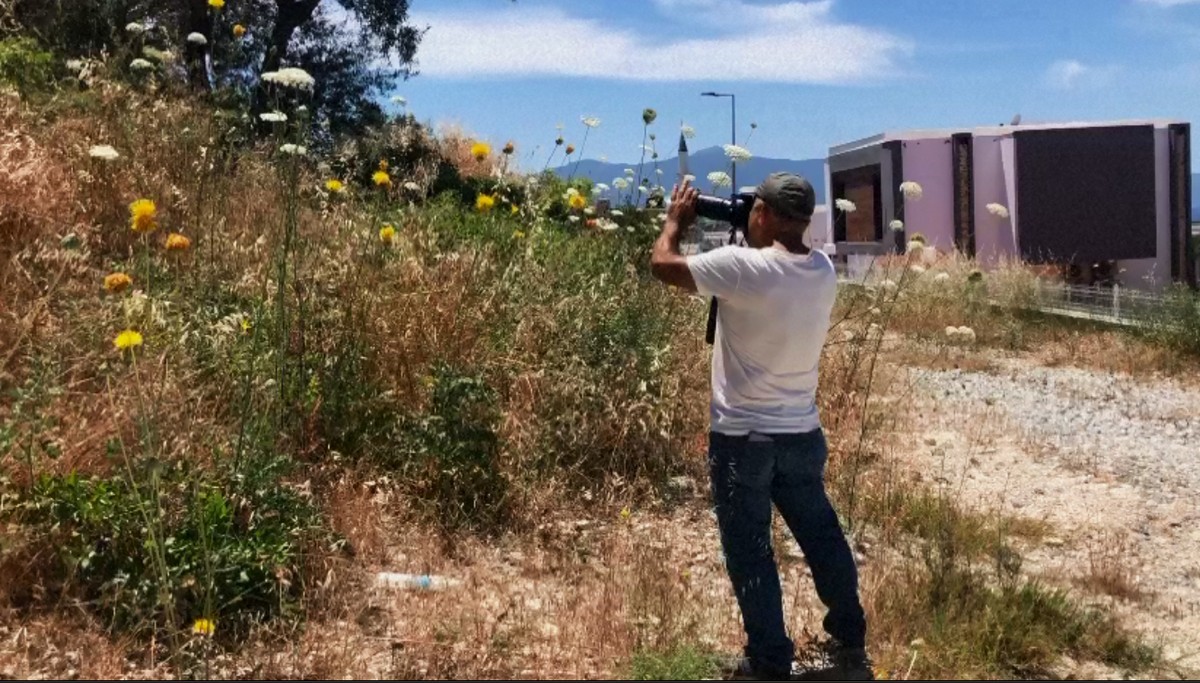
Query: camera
pixel 734 211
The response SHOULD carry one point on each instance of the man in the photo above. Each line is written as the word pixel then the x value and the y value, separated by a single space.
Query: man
pixel 766 444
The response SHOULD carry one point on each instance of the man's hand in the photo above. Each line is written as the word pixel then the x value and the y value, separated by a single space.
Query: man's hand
pixel 666 262
pixel 683 205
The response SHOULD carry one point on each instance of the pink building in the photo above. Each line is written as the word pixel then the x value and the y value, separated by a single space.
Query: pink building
pixel 1097 197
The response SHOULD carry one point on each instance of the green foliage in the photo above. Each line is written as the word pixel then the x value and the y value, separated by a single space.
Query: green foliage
pixel 25 66
pixel 454 449
pixel 1176 323
pixel 230 542
pixel 680 663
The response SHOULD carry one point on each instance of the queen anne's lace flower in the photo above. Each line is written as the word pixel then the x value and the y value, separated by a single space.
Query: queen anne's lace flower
pixel 911 190
pixel 720 179
pixel 590 121
pixel 738 154
pixel 290 77
pixel 846 205
pixel 998 210
pixel 273 117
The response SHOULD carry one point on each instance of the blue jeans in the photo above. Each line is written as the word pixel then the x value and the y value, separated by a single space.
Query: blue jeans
pixel 748 474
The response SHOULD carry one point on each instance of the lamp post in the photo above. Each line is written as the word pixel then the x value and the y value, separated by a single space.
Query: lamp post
pixel 733 131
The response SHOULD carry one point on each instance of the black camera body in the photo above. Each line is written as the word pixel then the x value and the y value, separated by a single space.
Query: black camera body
pixel 735 211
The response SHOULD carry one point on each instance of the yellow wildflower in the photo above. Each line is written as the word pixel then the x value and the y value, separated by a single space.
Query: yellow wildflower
pixel 143 216
pixel 177 242
pixel 626 513
pixel 246 325
pixel 515 209
pixel 577 201
pixel 518 235
pixel 238 30
pixel 387 233
pixel 204 627
pixel 382 179
pixel 117 282
pixel 484 203
pixel 335 185
pixel 480 150
pixel 216 4
pixel 128 340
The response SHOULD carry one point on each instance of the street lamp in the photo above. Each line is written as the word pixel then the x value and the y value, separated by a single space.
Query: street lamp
pixel 733 117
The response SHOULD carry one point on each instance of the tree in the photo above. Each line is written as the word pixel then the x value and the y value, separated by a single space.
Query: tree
pixel 353 48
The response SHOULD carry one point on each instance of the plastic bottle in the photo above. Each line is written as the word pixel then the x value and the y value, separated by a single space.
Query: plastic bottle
pixel 424 582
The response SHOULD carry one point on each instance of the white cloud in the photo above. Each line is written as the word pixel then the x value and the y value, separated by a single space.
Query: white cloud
pixel 1071 74
pixel 1167 3
pixel 792 42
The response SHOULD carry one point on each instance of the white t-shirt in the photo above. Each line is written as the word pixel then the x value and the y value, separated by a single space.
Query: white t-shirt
pixel 772 318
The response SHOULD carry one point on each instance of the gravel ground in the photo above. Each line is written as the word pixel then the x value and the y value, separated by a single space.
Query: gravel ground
pixel 1148 435
pixel 1112 463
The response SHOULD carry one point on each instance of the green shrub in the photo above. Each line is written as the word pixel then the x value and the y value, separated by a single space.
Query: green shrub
pixel 1176 323
pixel 453 448
pixel 25 66
pixel 180 543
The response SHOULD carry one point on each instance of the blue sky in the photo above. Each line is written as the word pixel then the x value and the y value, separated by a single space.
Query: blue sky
pixel 810 74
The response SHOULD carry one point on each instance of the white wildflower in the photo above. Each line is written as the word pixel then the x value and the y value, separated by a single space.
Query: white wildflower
pixel 914 247
pixel 140 64
pixel 289 148
pixel 896 225
pixel 602 187
pixel 875 312
pixel 606 225
pixel 643 189
pixel 273 117
pixel 596 191
pixel 135 28
pixel 888 286
pixel 846 205
pixel 589 211
pixel 720 179
pixel 573 219
pixel 571 192
pixel 997 210
pixel 688 131
pixel 918 269
pixel 197 38
pixel 629 171
pixel 737 154
pixel 617 212
pixel 620 183
pixel 941 277
pixel 658 171
pixel 911 190
pixel 590 121
pixel 689 178
pixel 412 187
pixel 74 65
pixel 290 77
pixel 105 152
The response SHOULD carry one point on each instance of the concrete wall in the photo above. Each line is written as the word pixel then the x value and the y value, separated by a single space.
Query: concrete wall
pixel 1155 273
pixel 994 181
pixel 930 163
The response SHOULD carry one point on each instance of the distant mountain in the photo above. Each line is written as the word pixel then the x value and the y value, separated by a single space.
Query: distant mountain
pixel 701 163
pixel 1196 196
